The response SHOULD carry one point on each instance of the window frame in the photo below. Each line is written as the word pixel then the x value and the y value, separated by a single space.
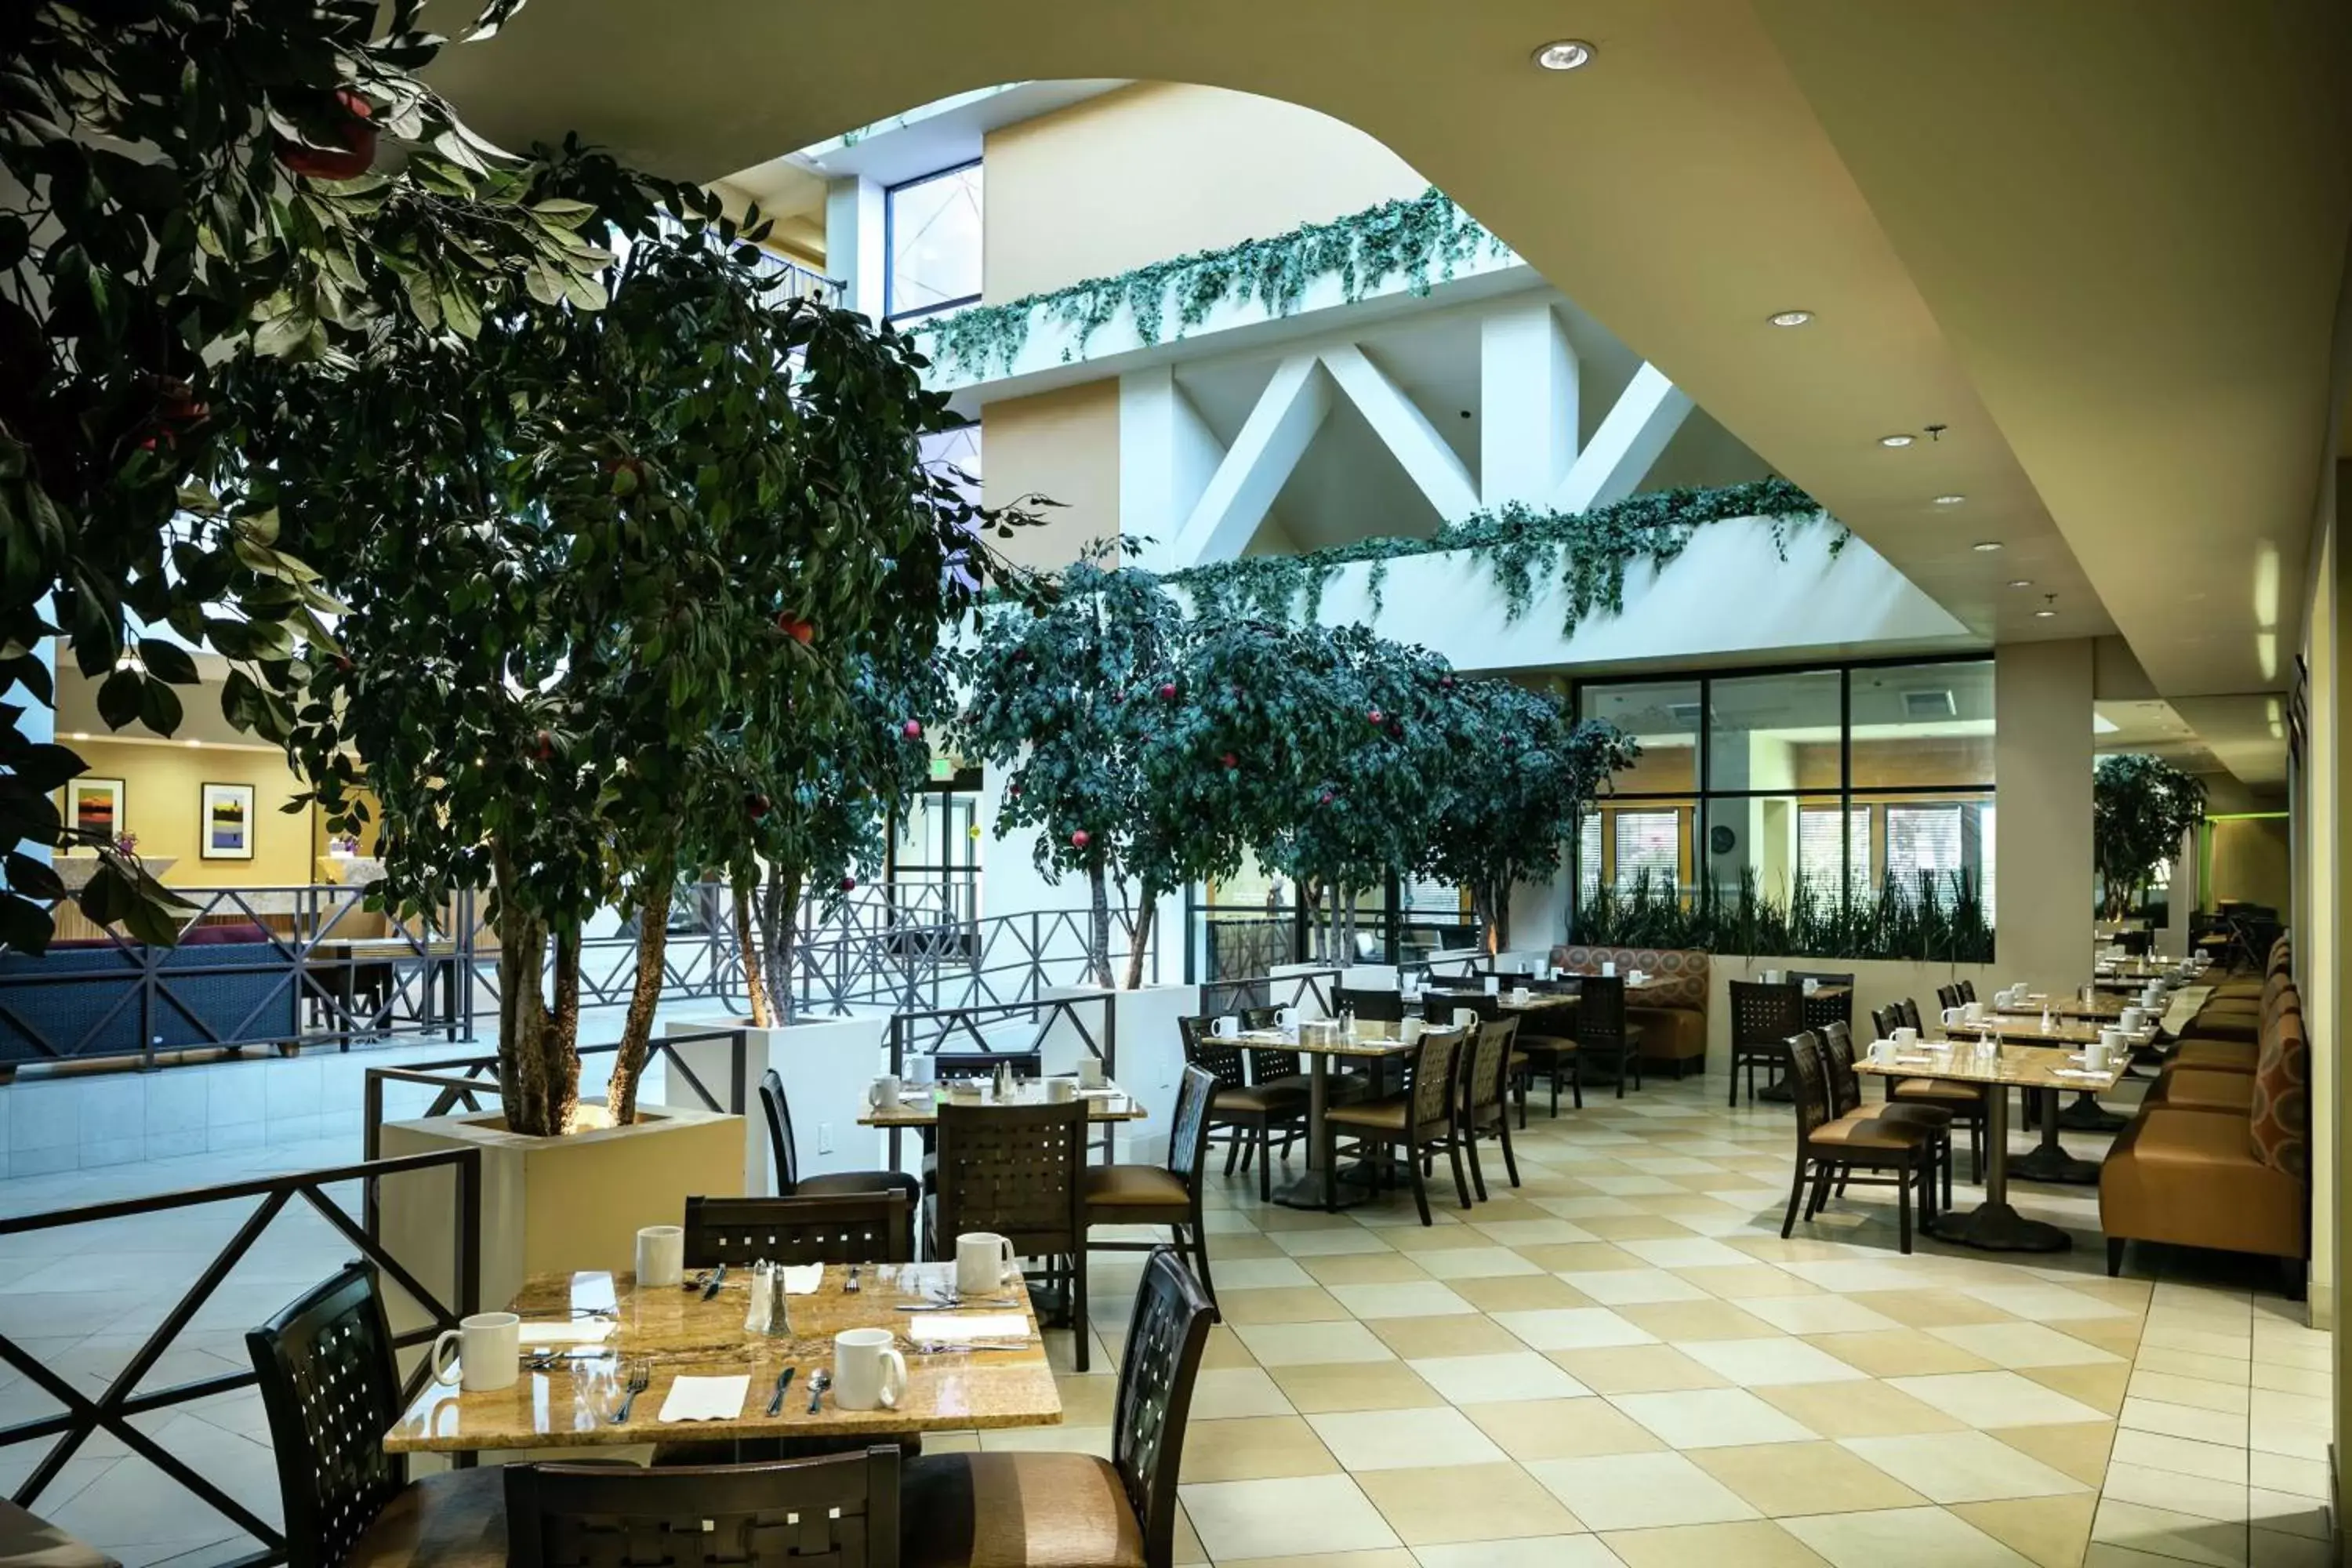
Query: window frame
pixel 890 312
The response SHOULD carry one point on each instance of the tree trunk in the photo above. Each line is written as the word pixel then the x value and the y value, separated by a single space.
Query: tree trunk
pixel 747 954
pixel 562 1033
pixel 539 1066
pixel 780 914
pixel 1098 938
pixel 1146 913
pixel 637 1027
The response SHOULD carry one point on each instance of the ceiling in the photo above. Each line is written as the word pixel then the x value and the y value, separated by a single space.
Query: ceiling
pixel 2100 242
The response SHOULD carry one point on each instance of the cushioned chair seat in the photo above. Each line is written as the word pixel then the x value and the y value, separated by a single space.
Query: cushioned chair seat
pixel 2201 1089
pixel 1933 1117
pixel 2214 1056
pixel 2192 1178
pixel 1940 1091
pixel 32 1542
pixel 1860 1131
pixel 1133 1186
pixel 1262 1100
pixel 1383 1115
pixel 1294 1083
pixel 455 1519
pixel 1014 1511
pixel 2247 1026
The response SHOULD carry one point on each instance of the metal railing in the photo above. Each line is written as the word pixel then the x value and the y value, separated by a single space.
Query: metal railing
pixel 912 963
pixel 931 1032
pixel 1296 989
pixel 115 1410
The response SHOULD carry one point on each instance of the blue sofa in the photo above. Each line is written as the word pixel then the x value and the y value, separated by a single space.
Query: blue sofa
pixel 87 1000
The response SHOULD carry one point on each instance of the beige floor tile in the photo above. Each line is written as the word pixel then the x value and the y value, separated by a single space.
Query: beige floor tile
pixel 1393 1557
pixel 1768 1362
pixel 1923 1537
pixel 1639 1491
pixel 1225 1348
pixel 1634 1287
pixel 2043 1303
pixel 1221 1394
pixel 1785 1479
pixel 1636 1227
pixel 1585 1258
pixel 1821 1314
pixel 2049 1533
pixel 2183 1456
pixel 1995 1399
pixel 1677 1322
pixel 1087 1400
pixel 1307 1344
pixel 1294 1304
pixel 1329 1241
pixel 1858 1409
pixel 1575 1328
pixel 2183 1421
pixel 1637 1369
pixel 1415 1299
pixel 1536 1552
pixel 1902 1353
pixel 2020 1345
pixel 1254 1449
pixel 1562 1428
pixel 1360 1268
pixel 1242 1519
pixel 2117 1336
pixel 1712 1418
pixel 1247 1273
pixel 1455 1264
pixel 1438 1237
pixel 1095 1440
pixel 1747 1282
pixel 2103 1386
pixel 1187 1548
pixel 1520 1293
pixel 1493 1379
pixel 2288 1513
pixel 1241 1245
pixel 1758 1542
pixel 1417 1339
pixel 2079 1449
pixel 1465 1502
pixel 1354 1385
pixel 1962 1466
pixel 1403 1439
pixel 1931 1309
pixel 2181 1537
pixel 2223 1501
pixel 2281 1473
pixel 2286 1379
pixel 2188 1363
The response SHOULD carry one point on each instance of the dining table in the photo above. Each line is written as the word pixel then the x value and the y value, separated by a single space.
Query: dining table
pixel 598 1331
pixel 917 1108
pixel 1318 1187
pixel 1994 1225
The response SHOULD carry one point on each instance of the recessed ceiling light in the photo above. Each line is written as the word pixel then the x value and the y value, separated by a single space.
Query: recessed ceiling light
pixel 1565 55
pixel 195 743
pixel 2046 614
pixel 79 735
pixel 1950 501
pixel 1986 546
pixel 1790 318
pixel 1896 440
pixel 2021 581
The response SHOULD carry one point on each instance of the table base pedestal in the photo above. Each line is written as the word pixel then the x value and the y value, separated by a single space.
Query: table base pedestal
pixel 2050 1164
pixel 2087 1115
pixel 1997 1227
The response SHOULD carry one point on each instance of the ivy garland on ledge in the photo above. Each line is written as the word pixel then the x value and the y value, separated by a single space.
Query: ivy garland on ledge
pixel 1588 552
pixel 1423 239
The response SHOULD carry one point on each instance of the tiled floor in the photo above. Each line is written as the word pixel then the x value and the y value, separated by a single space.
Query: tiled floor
pixel 1619 1363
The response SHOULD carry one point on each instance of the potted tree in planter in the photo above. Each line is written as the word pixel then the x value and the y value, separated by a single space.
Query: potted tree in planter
pixel 2141 806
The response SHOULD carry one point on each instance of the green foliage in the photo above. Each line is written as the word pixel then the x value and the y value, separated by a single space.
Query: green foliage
pixel 1421 239
pixel 1587 553
pixel 2141 806
pixel 151 148
pixel 1928 918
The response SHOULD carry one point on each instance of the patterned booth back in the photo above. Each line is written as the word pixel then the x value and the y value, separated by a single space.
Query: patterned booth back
pixel 1683 970
pixel 2278 1122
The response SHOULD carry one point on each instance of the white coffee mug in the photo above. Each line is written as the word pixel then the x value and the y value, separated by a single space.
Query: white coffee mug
pixel 1090 1072
pixel 1951 1015
pixel 1810 986
pixel 882 1094
pixel 661 1255
pixel 1226 1026
pixel 1770 977
pixel 2096 1056
pixel 1285 1018
pixel 2113 1039
pixel 1882 1051
pixel 1973 1012
pixel 490 1352
pixel 868 1373
pixel 922 1069
pixel 1061 1090
pixel 1492 985
pixel 1410 1031
pixel 984 1263
pixel 1906 1036
pixel 1609 970
pixel 1635 978
pixel 1520 995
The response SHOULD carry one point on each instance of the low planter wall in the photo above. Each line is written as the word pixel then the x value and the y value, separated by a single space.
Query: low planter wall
pixel 827 1065
pixel 1149 1058
pixel 1876 983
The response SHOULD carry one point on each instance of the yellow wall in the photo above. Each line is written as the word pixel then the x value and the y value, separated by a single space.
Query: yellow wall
pixel 1156 170
pixel 1060 444
pixel 162 803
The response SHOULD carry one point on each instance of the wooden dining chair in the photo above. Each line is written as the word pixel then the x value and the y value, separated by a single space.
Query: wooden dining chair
pixel 1964 1103
pixel 1421 1122
pixel 839 1510
pixel 330 1390
pixel 1017 1171
pixel 1846 1100
pixel 1830 1149
pixel 1832 1003
pixel 1041 1509
pixel 1948 995
pixel 1485 1096
pixel 1763 1016
pixel 1602 1032
pixel 1248 1113
pixel 1166 1194
pixel 1370 1006
pixel 784 1156
pixel 823 1227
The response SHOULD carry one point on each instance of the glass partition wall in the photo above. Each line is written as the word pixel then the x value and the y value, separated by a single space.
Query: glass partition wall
pixel 1812 791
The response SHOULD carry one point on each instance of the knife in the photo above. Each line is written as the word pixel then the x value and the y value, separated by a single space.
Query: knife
pixel 717 1278
pixel 776 1405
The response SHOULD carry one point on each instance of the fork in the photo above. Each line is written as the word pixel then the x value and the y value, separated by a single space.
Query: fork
pixel 641 1375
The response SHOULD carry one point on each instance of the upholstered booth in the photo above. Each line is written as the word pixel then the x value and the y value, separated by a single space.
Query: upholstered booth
pixel 93 997
pixel 1672 1017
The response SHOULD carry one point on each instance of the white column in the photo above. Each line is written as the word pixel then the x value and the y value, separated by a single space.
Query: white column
pixel 1405 431
pixel 1629 440
pixel 1167 456
pixel 857 246
pixel 1288 412
pixel 1526 404
pixel 2041 772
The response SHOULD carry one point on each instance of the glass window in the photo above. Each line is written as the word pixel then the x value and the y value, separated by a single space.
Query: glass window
pixel 935 242
pixel 1587 853
pixel 1651 842
pixel 1821 848
pixel 1923 725
pixel 1663 716
pixel 1774 732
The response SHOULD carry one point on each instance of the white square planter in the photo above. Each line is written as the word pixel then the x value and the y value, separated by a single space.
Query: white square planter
pixel 1150 1052
pixel 826 1064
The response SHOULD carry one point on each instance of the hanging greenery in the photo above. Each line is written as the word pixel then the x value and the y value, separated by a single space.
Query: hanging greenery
pixel 1421 239
pixel 1586 553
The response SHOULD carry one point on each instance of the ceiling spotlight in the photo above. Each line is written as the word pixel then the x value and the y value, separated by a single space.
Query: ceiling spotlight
pixel 2046 614
pixel 195 743
pixel 2021 581
pixel 1986 546
pixel 1896 440
pixel 1565 55
pixel 2049 607
pixel 1790 318
pixel 1950 501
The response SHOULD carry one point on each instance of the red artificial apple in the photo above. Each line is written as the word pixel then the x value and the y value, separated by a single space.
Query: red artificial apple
pixel 799 630
pixel 1079 839
pixel 546 746
pixel 1446 682
pixel 848 884
pixel 1168 691
pixel 1229 760
pixel 757 805
pixel 1327 797
pixel 356 154
pixel 1377 717
pixel 913 729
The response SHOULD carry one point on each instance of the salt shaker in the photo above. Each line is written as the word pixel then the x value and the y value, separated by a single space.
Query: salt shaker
pixel 761 1312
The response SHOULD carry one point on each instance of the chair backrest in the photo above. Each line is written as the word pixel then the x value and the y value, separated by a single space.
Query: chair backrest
pixel 1808 1083
pixel 330 1390
pixel 1204 1050
pixel 1884 1021
pixel 1968 990
pixel 782 1155
pixel 1266 1064
pixel 1487 1081
pixel 1910 1013
pixel 1430 1092
pixel 1014 1170
pixel 1761 1014
pixel 1600 1010
pixel 1188 1128
pixel 1819 977
pixel 841 1511
pixel 1460 1006
pixel 1370 1006
pixel 1948 995
pixel 1165 1337
pixel 832 1228
pixel 1837 1062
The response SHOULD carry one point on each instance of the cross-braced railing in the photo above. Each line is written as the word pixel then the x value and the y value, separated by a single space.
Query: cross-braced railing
pixel 958 1041
pixel 114 1410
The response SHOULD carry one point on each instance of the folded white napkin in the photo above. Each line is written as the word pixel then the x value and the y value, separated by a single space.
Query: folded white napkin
pixel 946 1327
pixel 803 1278
pixel 577 1331
pixel 705 1398
pixel 2078 1072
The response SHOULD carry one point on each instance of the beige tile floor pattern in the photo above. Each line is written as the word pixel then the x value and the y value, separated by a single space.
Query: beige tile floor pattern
pixel 1622 1363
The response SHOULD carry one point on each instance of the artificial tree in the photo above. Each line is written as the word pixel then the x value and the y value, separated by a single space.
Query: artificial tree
pixel 188 186
pixel 1063 696
pixel 2141 806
